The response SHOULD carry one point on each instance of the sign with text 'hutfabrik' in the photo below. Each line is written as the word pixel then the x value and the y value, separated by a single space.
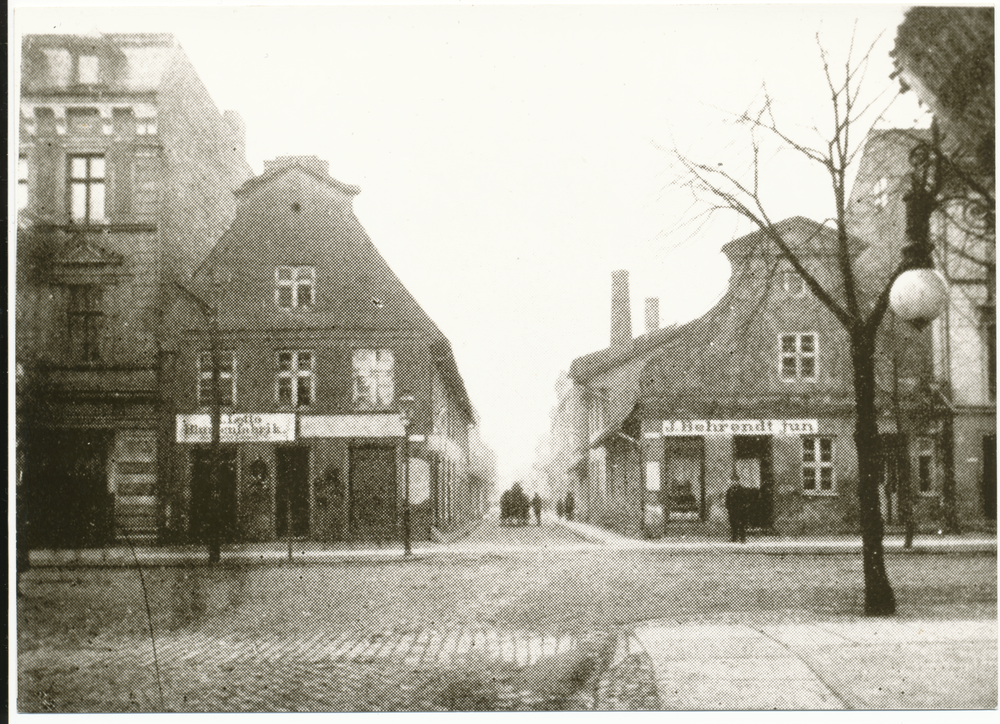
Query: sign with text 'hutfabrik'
pixel 244 427
pixel 676 428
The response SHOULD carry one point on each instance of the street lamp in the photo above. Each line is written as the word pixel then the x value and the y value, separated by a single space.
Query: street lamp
pixel 919 294
pixel 407 403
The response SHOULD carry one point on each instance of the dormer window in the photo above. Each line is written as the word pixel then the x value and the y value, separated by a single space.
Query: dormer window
pixel 88 68
pixel 295 286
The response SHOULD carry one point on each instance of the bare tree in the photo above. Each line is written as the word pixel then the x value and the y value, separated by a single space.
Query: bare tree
pixel 856 309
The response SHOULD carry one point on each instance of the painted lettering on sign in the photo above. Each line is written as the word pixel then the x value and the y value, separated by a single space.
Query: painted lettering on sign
pixel 246 427
pixel 680 428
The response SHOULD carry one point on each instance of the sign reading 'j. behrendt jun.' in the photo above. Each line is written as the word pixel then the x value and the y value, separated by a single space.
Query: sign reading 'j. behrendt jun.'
pixel 248 427
pixel 676 428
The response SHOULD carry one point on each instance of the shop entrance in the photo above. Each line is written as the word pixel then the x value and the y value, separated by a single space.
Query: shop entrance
pixel 990 476
pixel 292 491
pixel 201 493
pixel 67 484
pixel 753 462
pixel 372 490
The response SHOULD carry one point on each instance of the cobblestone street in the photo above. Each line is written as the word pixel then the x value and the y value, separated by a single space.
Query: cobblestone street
pixel 539 623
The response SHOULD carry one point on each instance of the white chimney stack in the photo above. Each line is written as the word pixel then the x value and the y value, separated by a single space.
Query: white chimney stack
pixel 621 316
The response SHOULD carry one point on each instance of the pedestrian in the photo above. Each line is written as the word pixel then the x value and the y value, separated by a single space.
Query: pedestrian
pixel 536 504
pixel 570 504
pixel 559 508
pixel 736 507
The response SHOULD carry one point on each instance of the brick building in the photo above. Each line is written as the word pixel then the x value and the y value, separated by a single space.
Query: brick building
pixel 125 176
pixel 320 339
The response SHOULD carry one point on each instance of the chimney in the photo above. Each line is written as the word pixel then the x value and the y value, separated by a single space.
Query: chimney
pixel 652 314
pixel 621 316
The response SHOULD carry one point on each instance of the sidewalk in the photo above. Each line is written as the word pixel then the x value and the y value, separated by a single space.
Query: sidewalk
pixel 777 545
pixel 862 664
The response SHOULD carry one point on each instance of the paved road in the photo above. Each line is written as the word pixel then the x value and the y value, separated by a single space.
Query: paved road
pixel 446 632
pixel 489 534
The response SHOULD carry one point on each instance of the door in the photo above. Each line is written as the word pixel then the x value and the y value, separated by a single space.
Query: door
pixel 372 490
pixel 990 476
pixel 752 459
pixel 895 465
pixel 67 488
pixel 292 491
pixel 200 514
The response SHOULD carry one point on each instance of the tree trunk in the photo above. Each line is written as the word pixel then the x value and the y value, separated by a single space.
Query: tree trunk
pixel 879 598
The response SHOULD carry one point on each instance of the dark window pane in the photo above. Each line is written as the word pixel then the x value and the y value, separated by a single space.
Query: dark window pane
pixel 285 297
pixel 788 367
pixel 788 343
pixel 305 295
pixel 305 391
pixel 808 366
pixel 285 391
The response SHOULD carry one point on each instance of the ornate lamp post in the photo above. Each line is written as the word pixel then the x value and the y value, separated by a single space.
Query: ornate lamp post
pixel 407 403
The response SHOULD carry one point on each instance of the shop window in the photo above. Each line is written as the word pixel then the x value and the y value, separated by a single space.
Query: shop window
pixel 792 284
pixel 817 464
pixel 798 356
pixel 295 379
pixel 374 379
pixel 295 286
pixel 925 465
pixel 86 319
pixel 22 181
pixel 87 189
pixel 227 381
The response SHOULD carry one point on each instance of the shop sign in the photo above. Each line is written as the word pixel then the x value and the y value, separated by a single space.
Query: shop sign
pixel 331 426
pixel 243 427
pixel 778 428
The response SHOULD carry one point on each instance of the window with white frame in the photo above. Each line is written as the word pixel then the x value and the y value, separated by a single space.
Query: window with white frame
pixel 925 464
pixel 295 286
pixel 87 189
pixel 87 69
pixel 792 284
pixel 798 356
pixel 817 464
pixel 880 192
pixel 227 380
pixel 295 379
pixel 374 379
pixel 22 181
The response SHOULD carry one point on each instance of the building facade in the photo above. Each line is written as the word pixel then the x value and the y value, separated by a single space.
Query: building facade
pixel 125 177
pixel 319 341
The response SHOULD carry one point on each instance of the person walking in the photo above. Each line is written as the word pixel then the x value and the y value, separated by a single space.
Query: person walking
pixel 536 505
pixel 736 507
pixel 570 505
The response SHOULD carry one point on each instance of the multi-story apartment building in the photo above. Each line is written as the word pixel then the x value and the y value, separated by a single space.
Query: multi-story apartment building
pixel 125 177
pixel 319 341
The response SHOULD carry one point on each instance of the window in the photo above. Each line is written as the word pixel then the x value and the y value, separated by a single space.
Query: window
pixel 880 192
pixel 798 356
pixel 792 284
pixel 22 182
pixel 87 69
pixel 817 464
pixel 86 181
pixel 145 126
pixel 227 385
pixel 86 317
pixel 925 464
pixel 295 379
pixel 374 385
pixel 295 286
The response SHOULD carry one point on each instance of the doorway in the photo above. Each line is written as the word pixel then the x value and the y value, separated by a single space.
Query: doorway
pixel 895 474
pixel 989 483
pixel 201 494
pixel 292 491
pixel 753 462
pixel 372 491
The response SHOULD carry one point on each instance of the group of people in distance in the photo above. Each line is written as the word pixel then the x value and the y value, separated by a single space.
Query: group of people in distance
pixel 516 508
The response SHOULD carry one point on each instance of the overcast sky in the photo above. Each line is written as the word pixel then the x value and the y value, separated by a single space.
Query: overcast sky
pixel 510 157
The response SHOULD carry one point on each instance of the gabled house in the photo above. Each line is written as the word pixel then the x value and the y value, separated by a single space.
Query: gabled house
pixel 125 175
pixel 320 340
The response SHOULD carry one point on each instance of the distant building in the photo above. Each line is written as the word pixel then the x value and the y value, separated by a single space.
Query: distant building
pixel 319 339
pixel 126 171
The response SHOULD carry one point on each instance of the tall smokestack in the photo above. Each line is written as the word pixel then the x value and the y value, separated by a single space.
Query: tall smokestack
pixel 652 314
pixel 621 317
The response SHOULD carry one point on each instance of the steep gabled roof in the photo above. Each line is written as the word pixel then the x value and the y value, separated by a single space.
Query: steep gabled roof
pixel 587 366
pixel 805 236
pixel 272 173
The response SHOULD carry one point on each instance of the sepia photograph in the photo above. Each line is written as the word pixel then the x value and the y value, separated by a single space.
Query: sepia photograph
pixel 503 357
